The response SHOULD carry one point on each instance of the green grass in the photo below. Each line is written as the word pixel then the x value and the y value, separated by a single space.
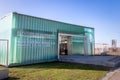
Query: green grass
pixel 1 67
pixel 57 71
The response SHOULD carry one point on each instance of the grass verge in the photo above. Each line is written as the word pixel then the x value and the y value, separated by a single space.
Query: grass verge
pixel 57 71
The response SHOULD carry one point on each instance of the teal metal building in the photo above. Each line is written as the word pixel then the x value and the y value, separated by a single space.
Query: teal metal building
pixel 27 39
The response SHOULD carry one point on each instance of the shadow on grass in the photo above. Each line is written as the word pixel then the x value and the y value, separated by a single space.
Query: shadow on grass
pixel 11 78
pixel 64 65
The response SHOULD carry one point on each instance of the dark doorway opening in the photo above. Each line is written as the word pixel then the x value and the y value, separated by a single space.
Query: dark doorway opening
pixel 63 49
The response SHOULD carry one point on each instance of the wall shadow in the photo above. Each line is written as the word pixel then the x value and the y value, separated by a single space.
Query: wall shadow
pixel 64 65
pixel 11 78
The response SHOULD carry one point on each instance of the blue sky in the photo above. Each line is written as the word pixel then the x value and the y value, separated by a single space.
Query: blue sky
pixel 103 15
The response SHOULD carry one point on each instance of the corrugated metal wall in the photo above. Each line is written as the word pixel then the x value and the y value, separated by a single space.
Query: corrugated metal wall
pixel 77 46
pixel 34 39
pixel 5 33
pixel 3 51
pixel 90 35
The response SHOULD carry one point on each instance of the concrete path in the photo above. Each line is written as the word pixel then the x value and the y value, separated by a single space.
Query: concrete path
pixel 114 74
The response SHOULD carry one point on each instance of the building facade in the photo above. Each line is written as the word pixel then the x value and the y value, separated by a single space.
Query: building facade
pixel 27 39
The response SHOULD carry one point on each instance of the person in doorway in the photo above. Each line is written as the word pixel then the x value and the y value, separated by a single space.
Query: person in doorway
pixel 66 50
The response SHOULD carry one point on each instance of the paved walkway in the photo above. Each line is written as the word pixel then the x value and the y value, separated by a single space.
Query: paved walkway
pixel 115 76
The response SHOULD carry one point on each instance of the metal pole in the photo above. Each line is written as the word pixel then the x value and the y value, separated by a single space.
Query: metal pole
pixel 85 46
pixel 58 46
pixel 7 53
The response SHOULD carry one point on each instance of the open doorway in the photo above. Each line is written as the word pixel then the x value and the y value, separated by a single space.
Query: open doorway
pixel 67 45
pixel 64 45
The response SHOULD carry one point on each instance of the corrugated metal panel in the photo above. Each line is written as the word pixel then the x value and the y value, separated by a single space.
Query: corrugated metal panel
pixel 5 33
pixel 34 39
pixel 3 51
pixel 77 45
pixel 90 34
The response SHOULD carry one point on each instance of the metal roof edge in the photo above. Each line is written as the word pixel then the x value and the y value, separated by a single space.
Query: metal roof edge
pixel 2 17
pixel 51 20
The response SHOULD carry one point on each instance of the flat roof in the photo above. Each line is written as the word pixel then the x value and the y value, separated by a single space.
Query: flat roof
pixel 52 20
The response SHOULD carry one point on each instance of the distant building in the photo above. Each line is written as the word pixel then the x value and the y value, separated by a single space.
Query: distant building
pixel 101 47
pixel 114 43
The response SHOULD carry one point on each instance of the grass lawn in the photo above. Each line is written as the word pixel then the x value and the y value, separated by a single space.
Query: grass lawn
pixel 1 67
pixel 57 71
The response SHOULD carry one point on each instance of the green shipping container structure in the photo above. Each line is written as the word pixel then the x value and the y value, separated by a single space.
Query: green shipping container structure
pixel 27 39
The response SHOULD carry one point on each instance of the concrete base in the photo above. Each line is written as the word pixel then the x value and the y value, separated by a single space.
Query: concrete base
pixel 109 61
pixel 3 73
